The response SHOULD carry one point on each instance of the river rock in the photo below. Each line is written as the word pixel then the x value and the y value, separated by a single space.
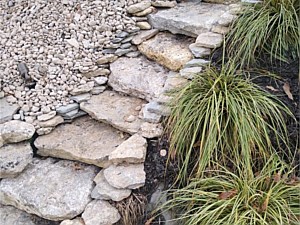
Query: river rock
pixel 130 176
pixel 133 150
pixel 16 131
pixel 65 193
pixel 14 158
pixel 99 212
pixel 191 20
pixel 175 54
pixel 6 110
pixel 105 191
pixel 138 77
pixel 85 140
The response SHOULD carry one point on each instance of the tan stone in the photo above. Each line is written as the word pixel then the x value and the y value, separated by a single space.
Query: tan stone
pixel 85 140
pixel 167 50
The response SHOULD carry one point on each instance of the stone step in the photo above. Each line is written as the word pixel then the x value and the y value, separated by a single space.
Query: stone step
pixel 169 50
pixel 85 140
pixel 192 18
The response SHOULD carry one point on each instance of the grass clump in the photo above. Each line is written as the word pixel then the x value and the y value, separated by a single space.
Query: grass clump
pixel 270 27
pixel 270 197
pixel 222 116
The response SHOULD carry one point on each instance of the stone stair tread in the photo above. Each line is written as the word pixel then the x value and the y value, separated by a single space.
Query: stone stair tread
pixel 191 18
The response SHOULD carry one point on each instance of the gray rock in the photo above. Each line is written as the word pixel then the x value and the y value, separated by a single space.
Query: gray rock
pixel 199 52
pixel 133 150
pixel 16 131
pixel 151 130
pixel 106 59
pixel 65 193
pixel 76 221
pixel 81 89
pixel 163 4
pixel 48 116
pixel 116 110
pixel 12 216
pixel 209 40
pixel 137 77
pixel 197 63
pixel 81 97
pixel 85 140
pixel 96 73
pixel 191 20
pixel 121 52
pixel 155 107
pixel 99 212
pixel 143 36
pixel 14 158
pixel 175 50
pixel 138 7
pixel 101 80
pixel 151 117
pixel 130 176
pixel 70 116
pixel 7 111
pixel 190 72
pixel 52 122
pixel 174 81
pixel 104 191
pixel 67 108
pixel 97 90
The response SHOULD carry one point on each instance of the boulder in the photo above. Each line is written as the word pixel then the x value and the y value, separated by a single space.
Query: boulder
pixel 14 158
pixel 129 176
pixel 138 77
pixel 121 112
pixel 99 212
pixel 168 50
pixel 105 191
pixel 16 131
pixel 191 20
pixel 85 140
pixel 51 189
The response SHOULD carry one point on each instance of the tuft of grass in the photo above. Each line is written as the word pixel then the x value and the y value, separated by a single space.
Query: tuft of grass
pixel 270 197
pixel 222 116
pixel 271 27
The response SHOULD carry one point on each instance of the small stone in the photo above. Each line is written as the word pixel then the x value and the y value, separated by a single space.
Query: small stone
pixel 47 116
pixel 107 59
pixel 76 221
pixel 67 108
pixel 98 72
pixel 108 216
pixel 151 130
pixel 143 25
pixel 17 117
pixel 101 80
pixel 143 36
pixel 164 4
pixel 81 97
pixel 98 90
pixel 121 52
pixel 138 7
pixel 209 40
pixel 150 117
pixel 163 152
pixel 190 72
pixel 52 122
pixel 130 176
pixel 199 52
pixel 73 42
pixel 6 110
pixel 81 89
pixel 196 63
pixel 44 130
pixel 145 12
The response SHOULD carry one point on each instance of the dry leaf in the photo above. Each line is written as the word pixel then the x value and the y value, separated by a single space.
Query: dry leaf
pixel 287 90
pixel 265 205
pixel 227 194
pixel 271 88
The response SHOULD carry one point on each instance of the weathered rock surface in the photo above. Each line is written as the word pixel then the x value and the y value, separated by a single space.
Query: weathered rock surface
pixel 14 158
pixel 99 212
pixel 16 131
pixel 12 216
pixel 174 81
pixel 105 191
pixel 133 150
pixel 65 193
pixel 85 140
pixel 151 130
pixel 138 77
pixel 209 40
pixel 131 176
pixel 119 111
pixel 167 50
pixel 6 110
pixel 191 20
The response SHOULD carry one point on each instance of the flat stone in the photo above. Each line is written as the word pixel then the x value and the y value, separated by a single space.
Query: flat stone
pixel 85 140
pixel 190 72
pixel 143 36
pixel 104 191
pixel 199 52
pixel 73 115
pixel 16 131
pixel 138 7
pixel 163 4
pixel 52 122
pixel 12 216
pixel 97 90
pixel 7 111
pixel 121 52
pixel 151 130
pixel 130 176
pixel 209 40
pixel 167 50
pixel 190 18
pixel 76 221
pixel 66 189
pixel 67 108
pixel 133 150
pixel 73 42
pixel 114 109
pixel 145 12
pixel 81 97
pixel 81 89
pixel 44 130
pixel 99 212
pixel 14 158
pixel 96 73
pixel 48 116
pixel 151 117
pixel 106 59
pixel 138 77
pixel 197 63
pixel 143 25
pixel 155 107
pixel 174 81
pixel 101 80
